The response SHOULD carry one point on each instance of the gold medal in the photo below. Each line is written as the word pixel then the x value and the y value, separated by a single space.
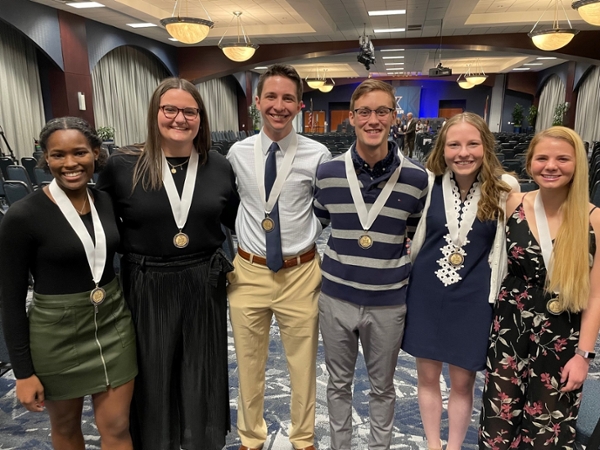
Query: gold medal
pixel 365 241
pixel 181 240
pixel 553 306
pixel 456 259
pixel 267 224
pixel 97 296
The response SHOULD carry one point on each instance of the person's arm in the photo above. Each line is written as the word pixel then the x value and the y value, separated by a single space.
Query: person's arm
pixel 230 212
pixel 413 220
pixel 319 207
pixel 17 247
pixel 576 370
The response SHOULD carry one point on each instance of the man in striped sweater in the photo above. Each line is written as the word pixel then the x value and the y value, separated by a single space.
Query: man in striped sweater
pixel 373 197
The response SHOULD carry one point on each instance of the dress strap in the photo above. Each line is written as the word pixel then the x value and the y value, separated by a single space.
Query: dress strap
pixel 592 210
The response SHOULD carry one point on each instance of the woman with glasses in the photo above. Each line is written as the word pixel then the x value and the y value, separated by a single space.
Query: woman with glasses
pixel 459 262
pixel 172 198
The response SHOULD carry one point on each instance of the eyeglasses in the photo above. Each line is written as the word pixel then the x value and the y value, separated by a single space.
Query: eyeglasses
pixel 365 113
pixel 171 112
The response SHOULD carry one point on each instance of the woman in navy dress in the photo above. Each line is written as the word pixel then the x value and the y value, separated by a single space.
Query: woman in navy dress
pixel 458 257
pixel 547 315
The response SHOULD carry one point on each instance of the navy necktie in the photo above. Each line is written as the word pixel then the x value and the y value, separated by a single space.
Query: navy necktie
pixel 274 253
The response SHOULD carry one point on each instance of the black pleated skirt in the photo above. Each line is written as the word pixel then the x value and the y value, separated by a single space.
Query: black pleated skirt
pixel 179 309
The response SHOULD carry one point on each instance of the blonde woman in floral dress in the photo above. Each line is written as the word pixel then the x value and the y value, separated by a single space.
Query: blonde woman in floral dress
pixel 545 322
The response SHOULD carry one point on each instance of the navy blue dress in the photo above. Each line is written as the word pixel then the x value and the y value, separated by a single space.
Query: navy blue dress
pixel 450 323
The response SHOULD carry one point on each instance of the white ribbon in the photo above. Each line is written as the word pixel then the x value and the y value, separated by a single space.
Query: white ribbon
pixel 95 254
pixel 282 172
pixel 180 206
pixel 368 217
pixel 458 232
pixel 543 232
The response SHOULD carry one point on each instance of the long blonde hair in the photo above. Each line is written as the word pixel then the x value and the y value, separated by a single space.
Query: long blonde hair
pixel 492 186
pixel 570 261
pixel 148 169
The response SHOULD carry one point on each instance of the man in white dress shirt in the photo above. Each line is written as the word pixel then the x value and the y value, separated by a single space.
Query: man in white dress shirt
pixel 277 269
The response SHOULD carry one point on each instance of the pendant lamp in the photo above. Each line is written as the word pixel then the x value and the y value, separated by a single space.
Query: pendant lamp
pixel 589 10
pixel 188 30
pixel 550 39
pixel 242 50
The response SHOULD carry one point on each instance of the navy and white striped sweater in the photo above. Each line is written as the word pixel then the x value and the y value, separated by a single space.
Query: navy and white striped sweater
pixel 376 276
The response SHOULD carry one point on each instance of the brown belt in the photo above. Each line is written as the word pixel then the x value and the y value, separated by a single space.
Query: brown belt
pixel 287 263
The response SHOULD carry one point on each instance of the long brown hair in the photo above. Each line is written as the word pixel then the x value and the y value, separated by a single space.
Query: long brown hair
pixel 148 168
pixel 492 186
pixel 570 261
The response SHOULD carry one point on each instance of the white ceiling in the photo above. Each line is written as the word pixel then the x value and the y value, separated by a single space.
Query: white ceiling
pixel 298 21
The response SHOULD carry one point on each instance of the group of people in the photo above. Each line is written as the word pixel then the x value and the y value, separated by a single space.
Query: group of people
pixel 404 130
pixel 425 259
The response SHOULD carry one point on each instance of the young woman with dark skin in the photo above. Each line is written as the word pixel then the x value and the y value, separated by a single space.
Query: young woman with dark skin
pixel 77 338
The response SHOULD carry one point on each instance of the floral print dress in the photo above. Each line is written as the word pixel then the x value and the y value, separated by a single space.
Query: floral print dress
pixel 528 348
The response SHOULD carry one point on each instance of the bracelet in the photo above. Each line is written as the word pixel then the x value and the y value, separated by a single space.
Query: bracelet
pixel 587 355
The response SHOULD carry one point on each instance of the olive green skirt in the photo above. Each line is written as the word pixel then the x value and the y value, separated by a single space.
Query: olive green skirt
pixel 78 350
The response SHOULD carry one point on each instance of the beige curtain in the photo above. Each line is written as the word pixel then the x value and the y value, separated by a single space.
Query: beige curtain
pixel 21 104
pixel 123 82
pixel 220 99
pixel 587 115
pixel 552 94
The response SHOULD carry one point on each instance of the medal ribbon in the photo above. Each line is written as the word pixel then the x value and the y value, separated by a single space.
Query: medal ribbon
pixel 368 217
pixel 282 172
pixel 95 254
pixel 458 233
pixel 543 232
pixel 180 206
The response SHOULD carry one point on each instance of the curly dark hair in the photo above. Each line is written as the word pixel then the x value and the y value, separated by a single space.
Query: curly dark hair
pixel 72 123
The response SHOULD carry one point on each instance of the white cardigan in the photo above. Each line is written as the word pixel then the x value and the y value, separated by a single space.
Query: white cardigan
pixel 498 258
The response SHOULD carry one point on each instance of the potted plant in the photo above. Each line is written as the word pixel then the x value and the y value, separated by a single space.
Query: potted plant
pixel 255 115
pixel 107 134
pixel 517 117
pixel 559 114
pixel 532 116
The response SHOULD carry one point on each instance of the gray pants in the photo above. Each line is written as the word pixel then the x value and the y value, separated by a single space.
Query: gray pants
pixel 380 330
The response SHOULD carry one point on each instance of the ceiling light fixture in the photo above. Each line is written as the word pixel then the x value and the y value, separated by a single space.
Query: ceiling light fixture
pixel 533 64
pixel 589 10
pixel 315 82
pixel 189 30
pixel 389 30
pixel 546 57
pixel 141 25
pixel 387 12
pixel 478 76
pixel 463 83
pixel 522 68
pixel 81 5
pixel 392 57
pixel 392 50
pixel 327 87
pixel 551 39
pixel 241 50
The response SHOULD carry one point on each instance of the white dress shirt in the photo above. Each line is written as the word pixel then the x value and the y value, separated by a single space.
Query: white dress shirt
pixel 299 226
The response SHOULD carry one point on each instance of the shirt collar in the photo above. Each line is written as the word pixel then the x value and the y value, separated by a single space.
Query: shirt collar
pixel 265 142
pixel 391 159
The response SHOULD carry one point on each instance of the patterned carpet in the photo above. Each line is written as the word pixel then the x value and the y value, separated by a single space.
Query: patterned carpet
pixel 20 429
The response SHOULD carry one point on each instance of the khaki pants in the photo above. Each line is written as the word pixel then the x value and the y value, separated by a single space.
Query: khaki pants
pixel 255 294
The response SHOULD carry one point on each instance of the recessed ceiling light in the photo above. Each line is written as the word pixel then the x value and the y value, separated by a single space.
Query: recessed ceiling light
pixel 392 57
pixel 522 68
pixel 390 30
pixel 261 68
pixel 394 64
pixel 392 50
pixel 81 5
pixel 387 12
pixel 546 57
pixel 174 40
pixel 533 64
pixel 141 25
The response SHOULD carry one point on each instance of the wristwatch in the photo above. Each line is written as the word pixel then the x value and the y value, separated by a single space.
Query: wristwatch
pixel 588 355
